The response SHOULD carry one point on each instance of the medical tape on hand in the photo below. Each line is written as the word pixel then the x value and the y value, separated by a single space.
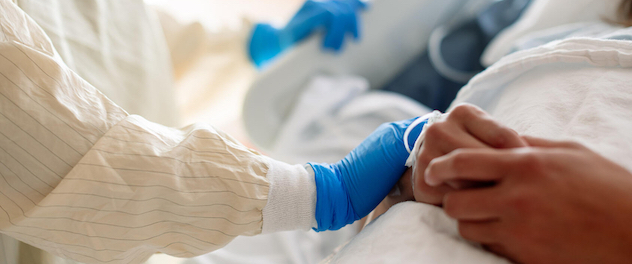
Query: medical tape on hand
pixel 432 117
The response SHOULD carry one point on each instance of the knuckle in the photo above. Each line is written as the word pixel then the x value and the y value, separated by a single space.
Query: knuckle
pixel 465 111
pixel 502 138
pixel 435 132
pixel 424 160
pixel 533 163
pixel 461 111
pixel 498 139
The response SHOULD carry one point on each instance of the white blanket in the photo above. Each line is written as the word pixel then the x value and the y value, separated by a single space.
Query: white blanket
pixel 333 115
pixel 578 89
pixel 545 14
pixel 431 238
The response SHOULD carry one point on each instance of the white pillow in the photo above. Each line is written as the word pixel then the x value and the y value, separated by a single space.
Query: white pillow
pixel 544 14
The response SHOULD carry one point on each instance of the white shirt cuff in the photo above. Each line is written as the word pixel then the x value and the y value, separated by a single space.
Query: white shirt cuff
pixel 291 198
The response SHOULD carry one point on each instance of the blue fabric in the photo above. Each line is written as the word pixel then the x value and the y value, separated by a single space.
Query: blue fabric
pixel 351 188
pixel 461 50
pixel 336 18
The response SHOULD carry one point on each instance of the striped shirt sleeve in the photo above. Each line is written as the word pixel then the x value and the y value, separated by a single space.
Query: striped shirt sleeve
pixel 82 179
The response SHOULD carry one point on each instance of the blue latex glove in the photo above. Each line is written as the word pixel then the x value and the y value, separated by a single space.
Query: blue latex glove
pixel 335 17
pixel 350 189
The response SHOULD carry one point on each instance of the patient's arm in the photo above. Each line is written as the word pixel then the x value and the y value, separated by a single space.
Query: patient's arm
pixel 554 202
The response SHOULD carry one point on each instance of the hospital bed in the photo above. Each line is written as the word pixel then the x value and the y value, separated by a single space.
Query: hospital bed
pixel 394 33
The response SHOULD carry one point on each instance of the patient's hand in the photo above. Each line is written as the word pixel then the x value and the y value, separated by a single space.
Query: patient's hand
pixel 554 202
pixel 466 126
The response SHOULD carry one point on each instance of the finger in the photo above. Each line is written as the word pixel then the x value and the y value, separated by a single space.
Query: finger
pixel 482 126
pixel 500 250
pixel 441 138
pixel 469 164
pixel 403 190
pixel 425 193
pixel 494 134
pixel 482 232
pixel 462 139
pixel 336 31
pixel 473 204
pixel 351 18
pixel 446 137
pixel 421 190
pixel 546 143
pixel 359 4
pixel 355 26
pixel 429 152
pixel 310 17
pixel 351 26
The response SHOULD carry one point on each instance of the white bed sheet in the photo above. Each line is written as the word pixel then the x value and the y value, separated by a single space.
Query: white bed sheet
pixel 433 238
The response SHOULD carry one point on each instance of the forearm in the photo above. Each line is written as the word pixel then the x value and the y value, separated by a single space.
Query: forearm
pixel 143 188
pixel 86 181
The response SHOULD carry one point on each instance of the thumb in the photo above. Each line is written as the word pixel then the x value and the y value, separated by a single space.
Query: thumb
pixel 403 190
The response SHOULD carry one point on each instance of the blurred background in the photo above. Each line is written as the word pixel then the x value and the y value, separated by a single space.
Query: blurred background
pixel 212 80
pixel 309 104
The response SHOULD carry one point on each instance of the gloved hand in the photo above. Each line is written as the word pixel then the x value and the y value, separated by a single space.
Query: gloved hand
pixel 351 188
pixel 335 17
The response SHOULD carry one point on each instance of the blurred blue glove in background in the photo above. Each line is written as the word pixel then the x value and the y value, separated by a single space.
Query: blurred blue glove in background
pixel 335 17
pixel 350 189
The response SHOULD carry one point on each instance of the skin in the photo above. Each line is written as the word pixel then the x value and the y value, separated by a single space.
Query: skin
pixel 553 202
pixel 466 126
pixel 530 200
pixel 401 193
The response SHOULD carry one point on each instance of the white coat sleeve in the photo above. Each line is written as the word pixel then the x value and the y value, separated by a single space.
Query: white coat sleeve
pixel 82 179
